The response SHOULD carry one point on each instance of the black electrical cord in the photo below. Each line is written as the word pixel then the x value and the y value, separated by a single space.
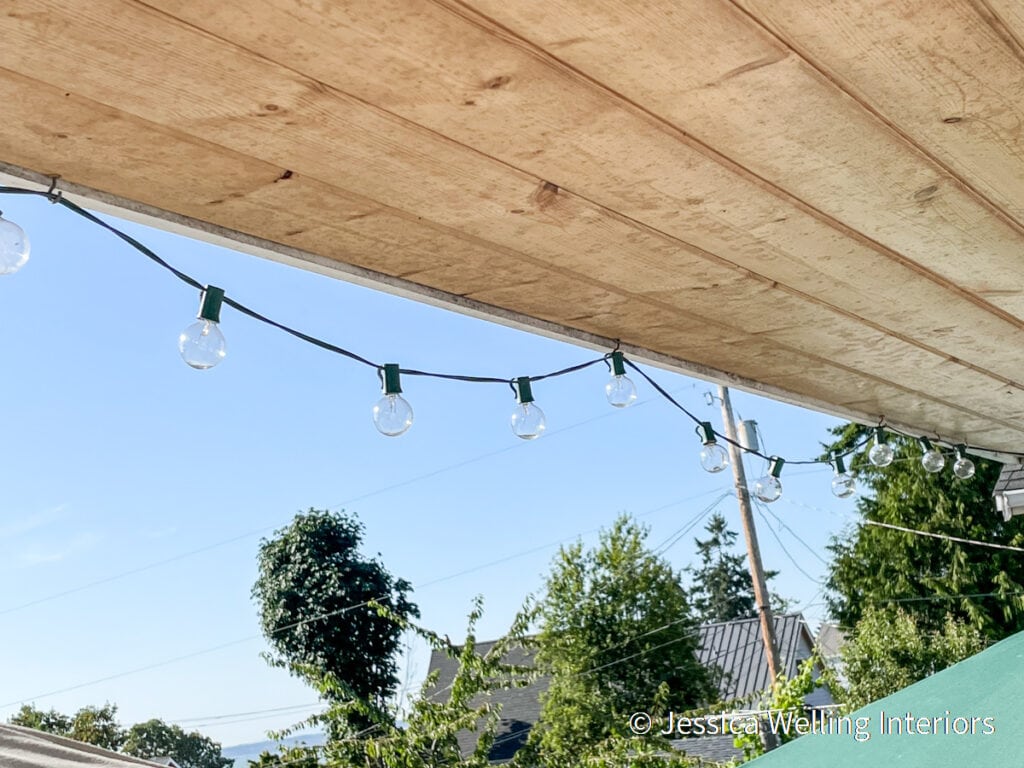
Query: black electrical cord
pixel 56 197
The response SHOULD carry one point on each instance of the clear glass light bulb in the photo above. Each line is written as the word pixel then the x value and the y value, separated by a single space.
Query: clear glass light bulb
pixel 843 485
pixel 963 468
pixel 392 415
pixel 13 247
pixel 620 391
pixel 881 454
pixel 768 489
pixel 202 344
pixel 713 457
pixel 528 421
pixel 933 461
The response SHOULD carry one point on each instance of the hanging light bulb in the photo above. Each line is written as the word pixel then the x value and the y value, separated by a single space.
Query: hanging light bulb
pixel 712 456
pixel 881 453
pixel 620 390
pixel 769 487
pixel 13 247
pixel 202 344
pixel 392 415
pixel 843 484
pixel 963 467
pixel 527 419
pixel 932 460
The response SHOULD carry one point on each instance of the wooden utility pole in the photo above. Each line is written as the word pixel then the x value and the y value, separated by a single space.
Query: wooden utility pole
pixel 764 610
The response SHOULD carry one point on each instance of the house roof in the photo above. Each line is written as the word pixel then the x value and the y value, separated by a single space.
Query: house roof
pixel 28 748
pixel 734 648
pixel 1011 478
pixel 819 200
pixel 987 685
pixel 737 650
pixel 830 640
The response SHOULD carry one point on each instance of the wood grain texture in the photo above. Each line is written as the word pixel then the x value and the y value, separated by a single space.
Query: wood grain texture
pixel 564 161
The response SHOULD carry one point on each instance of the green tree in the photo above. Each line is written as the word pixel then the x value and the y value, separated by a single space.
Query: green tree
pixel 927 577
pixel 888 650
pixel 721 587
pixel 788 694
pixel 428 734
pixel 313 592
pixel 90 725
pixel 155 738
pixel 292 757
pixel 616 637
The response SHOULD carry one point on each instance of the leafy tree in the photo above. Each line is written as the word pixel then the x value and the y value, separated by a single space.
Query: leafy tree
pixel 722 589
pixel 616 637
pixel 927 577
pixel 313 591
pixel 888 650
pixel 292 757
pixel 428 736
pixel 154 738
pixel 90 725
pixel 787 695
pixel 50 722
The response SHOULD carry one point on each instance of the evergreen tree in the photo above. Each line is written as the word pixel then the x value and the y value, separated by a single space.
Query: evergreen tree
pixel 927 577
pixel 722 589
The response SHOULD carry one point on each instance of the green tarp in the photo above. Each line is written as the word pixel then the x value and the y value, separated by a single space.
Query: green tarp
pixel 971 714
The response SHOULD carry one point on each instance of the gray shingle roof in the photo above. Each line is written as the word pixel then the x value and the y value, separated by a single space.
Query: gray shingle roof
pixel 1011 478
pixel 734 648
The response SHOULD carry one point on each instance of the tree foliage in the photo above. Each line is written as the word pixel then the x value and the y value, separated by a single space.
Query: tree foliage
pixel 888 650
pixel 99 726
pixel 155 738
pixel 721 587
pixel 788 694
pixel 427 737
pixel 91 725
pixel 927 577
pixel 313 592
pixel 616 637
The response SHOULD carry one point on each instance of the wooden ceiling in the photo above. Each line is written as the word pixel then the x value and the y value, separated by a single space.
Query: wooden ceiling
pixel 823 199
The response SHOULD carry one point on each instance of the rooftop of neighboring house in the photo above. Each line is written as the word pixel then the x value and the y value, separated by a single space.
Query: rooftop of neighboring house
pixel 734 649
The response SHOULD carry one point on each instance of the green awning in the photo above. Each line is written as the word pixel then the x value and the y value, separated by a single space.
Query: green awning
pixel 969 714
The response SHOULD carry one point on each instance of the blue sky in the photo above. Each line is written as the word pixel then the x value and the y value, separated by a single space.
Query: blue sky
pixel 118 456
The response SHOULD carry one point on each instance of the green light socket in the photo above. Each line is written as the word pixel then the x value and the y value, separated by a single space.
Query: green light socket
pixel 840 464
pixel 926 444
pixel 209 303
pixel 392 379
pixel 880 436
pixel 524 390
pixel 618 366
pixel 706 432
pixel 775 464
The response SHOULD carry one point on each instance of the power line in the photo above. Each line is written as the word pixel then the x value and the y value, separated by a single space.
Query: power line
pixel 210 718
pixel 944 537
pixel 765 508
pixel 320 617
pixel 782 546
pixel 265 529
pixel 674 538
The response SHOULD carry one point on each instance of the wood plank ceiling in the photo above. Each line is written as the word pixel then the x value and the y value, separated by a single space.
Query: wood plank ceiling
pixel 824 198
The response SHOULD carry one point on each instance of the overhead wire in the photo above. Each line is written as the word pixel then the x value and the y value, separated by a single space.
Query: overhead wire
pixel 265 529
pixel 319 617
